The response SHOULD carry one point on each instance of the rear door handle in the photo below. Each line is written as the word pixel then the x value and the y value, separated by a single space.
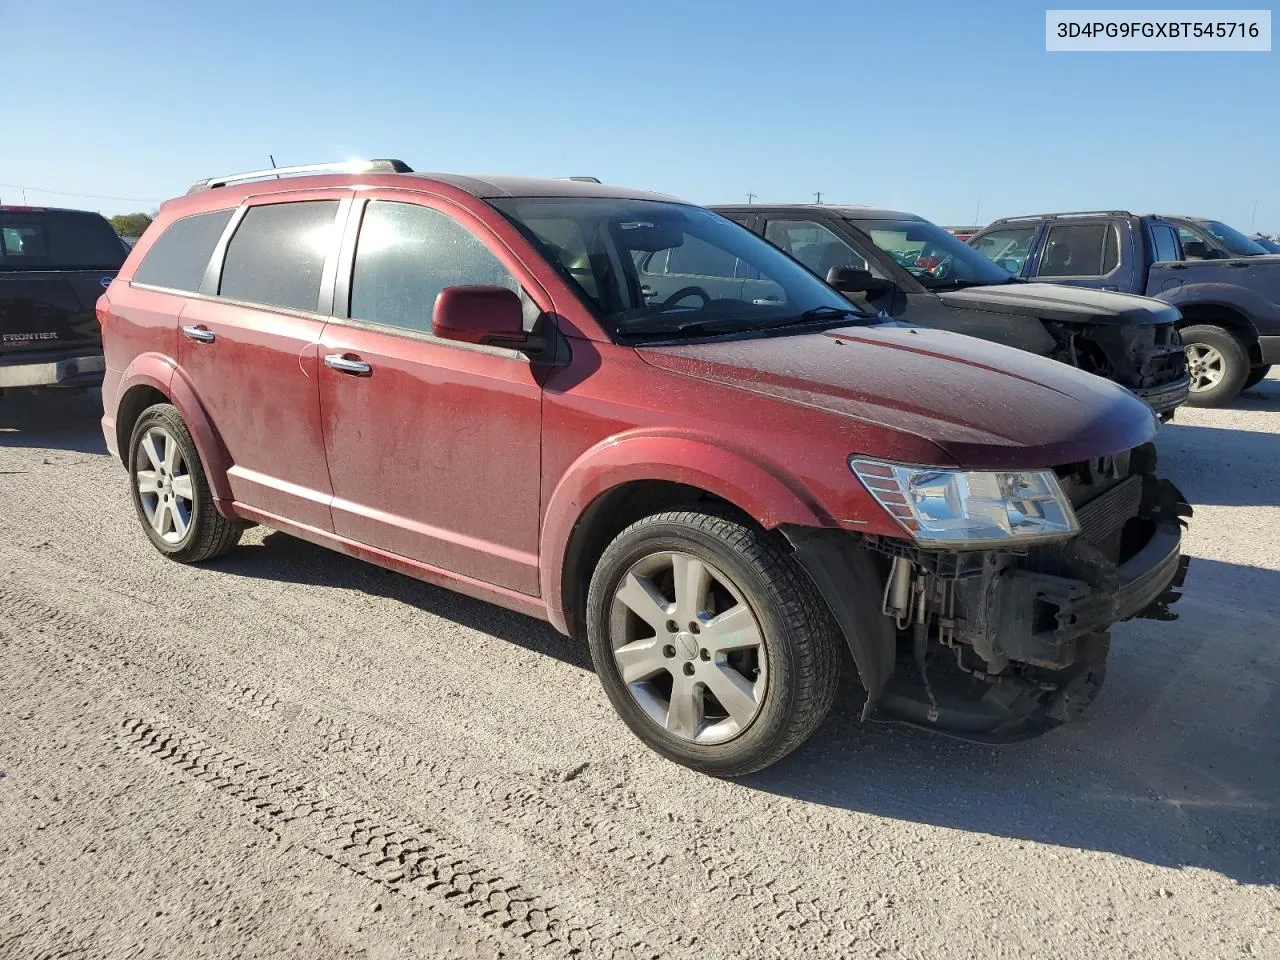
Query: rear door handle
pixel 198 333
pixel 357 368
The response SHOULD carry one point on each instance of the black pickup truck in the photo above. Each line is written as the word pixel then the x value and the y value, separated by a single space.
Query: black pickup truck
pixel 1226 286
pixel 54 264
pixel 917 272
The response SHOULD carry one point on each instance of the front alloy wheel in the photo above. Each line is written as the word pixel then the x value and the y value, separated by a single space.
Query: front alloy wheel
pixel 1206 366
pixel 688 647
pixel 711 641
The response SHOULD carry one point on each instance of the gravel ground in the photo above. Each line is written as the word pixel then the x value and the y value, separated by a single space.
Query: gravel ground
pixel 287 752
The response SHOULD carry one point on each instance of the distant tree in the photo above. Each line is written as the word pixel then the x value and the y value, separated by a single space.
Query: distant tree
pixel 131 224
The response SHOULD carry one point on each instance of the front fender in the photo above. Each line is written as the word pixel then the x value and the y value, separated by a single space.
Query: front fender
pixel 1258 311
pixel 159 372
pixel 758 489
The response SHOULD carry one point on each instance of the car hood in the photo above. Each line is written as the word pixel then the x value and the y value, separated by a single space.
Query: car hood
pixel 984 405
pixel 1051 301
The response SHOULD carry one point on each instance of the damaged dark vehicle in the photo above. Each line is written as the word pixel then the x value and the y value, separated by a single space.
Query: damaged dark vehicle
pixel 914 271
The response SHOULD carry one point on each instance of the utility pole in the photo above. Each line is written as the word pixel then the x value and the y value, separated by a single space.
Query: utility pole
pixel 750 196
pixel 817 197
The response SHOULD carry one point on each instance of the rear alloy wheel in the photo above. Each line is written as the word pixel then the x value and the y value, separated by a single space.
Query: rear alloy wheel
pixel 1256 376
pixel 711 642
pixel 170 493
pixel 1218 364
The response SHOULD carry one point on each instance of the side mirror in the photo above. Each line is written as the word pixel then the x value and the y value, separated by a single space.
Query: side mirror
pixel 1012 265
pixel 481 314
pixel 853 280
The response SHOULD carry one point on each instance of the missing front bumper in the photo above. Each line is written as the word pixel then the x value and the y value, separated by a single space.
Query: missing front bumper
pixel 1014 644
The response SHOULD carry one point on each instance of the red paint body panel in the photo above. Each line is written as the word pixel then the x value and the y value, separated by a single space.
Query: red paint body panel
pixel 470 467
pixel 435 454
pixel 258 382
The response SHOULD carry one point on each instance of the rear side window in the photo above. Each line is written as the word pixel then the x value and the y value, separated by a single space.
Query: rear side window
pixel 179 258
pixel 1166 242
pixel 58 240
pixel 1080 250
pixel 277 254
pixel 407 254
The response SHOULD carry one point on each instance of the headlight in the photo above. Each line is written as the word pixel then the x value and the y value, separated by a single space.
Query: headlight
pixel 957 508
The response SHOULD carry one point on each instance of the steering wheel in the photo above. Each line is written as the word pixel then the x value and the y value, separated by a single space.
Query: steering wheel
pixel 683 292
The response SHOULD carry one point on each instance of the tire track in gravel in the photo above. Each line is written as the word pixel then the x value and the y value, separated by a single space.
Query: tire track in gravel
pixel 399 856
pixel 88 646
pixel 569 826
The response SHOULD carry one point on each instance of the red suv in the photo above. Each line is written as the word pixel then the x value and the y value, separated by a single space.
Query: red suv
pixel 635 419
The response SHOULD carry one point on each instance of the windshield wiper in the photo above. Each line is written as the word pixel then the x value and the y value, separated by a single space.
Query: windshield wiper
pixel 816 315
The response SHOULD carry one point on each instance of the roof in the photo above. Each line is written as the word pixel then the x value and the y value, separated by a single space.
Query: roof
pixel 491 187
pixel 839 210
pixel 32 208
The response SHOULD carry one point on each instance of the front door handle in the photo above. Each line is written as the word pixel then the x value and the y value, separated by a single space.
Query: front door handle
pixel 199 334
pixel 346 364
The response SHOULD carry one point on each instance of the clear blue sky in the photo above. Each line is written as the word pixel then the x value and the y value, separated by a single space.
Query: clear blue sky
pixel 930 107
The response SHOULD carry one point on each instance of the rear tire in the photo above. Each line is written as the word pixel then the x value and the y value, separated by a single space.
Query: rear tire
pixel 748 613
pixel 1256 376
pixel 1218 362
pixel 170 492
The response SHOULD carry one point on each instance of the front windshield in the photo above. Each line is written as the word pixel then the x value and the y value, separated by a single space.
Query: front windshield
pixel 931 255
pixel 654 268
pixel 1231 238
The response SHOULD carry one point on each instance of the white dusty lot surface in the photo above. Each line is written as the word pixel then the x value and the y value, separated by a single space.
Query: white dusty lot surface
pixel 287 752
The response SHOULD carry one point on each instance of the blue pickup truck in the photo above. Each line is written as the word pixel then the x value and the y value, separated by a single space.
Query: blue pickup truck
pixel 1226 286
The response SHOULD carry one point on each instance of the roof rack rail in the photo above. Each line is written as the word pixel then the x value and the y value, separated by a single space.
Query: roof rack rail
pixel 584 179
pixel 342 166
pixel 1058 216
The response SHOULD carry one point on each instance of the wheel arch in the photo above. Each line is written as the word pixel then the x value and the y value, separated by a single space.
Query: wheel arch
pixel 1224 315
pixel 153 379
pixel 619 482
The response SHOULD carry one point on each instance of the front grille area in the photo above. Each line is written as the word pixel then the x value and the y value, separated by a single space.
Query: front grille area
pixel 1106 514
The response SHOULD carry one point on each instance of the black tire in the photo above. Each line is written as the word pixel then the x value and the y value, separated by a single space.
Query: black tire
pixel 208 533
pixel 1235 371
pixel 802 642
pixel 1256 376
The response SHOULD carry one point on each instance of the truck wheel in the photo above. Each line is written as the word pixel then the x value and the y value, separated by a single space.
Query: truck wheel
pixel 711 642
pixel 1218 363
pixel 170 492
pixel 1256 376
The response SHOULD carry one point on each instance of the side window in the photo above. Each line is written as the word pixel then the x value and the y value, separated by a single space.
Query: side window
pixel 813 245
pixel 407 254
pixel 179 258
pixel 277 254
pixel 696 258
pixel 1194 246
pixel 1080 250
pixel 1165 241
pixel 1008 248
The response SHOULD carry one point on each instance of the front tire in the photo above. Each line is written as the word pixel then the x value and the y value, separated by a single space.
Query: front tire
pixel 711 642
pixel 170 492
pixel 1218 363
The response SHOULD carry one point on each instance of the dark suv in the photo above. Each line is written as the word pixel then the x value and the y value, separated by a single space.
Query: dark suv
pixel 920 273
pixel 54 264
pixel 1225 285
pixel 498 386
